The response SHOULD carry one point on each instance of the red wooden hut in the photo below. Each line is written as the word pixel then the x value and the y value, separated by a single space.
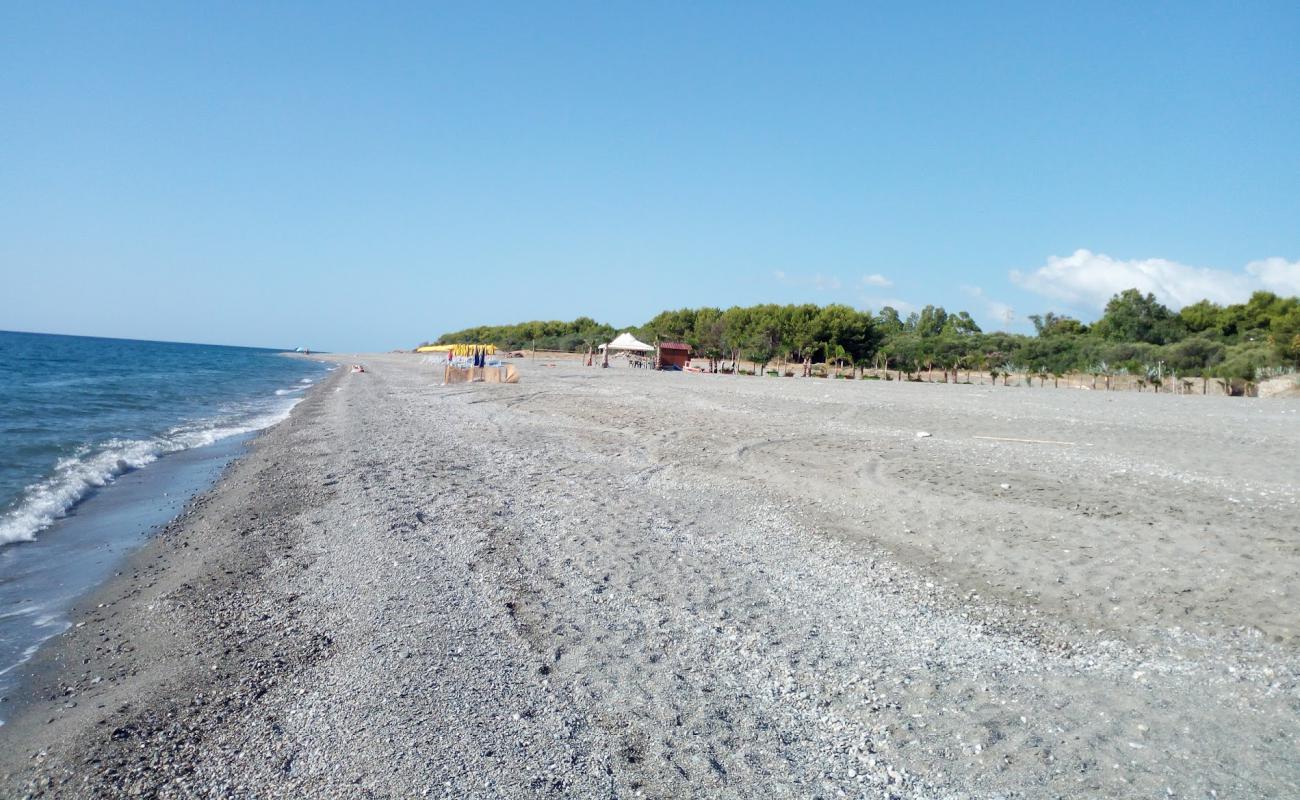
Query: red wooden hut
pixel 674 355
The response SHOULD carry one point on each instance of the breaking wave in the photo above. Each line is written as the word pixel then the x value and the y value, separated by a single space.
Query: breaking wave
pixel 75 477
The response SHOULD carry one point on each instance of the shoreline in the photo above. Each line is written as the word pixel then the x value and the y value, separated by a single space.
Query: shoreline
pixel 82 551
pixel 622 582
pixel 98 667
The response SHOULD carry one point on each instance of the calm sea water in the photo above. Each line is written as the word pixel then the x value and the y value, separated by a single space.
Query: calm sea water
pixel 77 412
pixel 101 441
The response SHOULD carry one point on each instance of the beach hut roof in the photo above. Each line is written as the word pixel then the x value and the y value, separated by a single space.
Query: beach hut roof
pixel 626 341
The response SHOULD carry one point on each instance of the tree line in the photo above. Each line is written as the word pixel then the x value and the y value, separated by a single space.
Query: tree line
pixel 566 337
pixel 1136 336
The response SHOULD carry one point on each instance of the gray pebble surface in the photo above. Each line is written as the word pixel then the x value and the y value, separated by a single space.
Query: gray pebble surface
pixel 616 583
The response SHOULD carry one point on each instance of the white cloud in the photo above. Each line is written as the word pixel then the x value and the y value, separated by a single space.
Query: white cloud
pixel 1002 312
pixel 876 303
pixel 1090 279
pixel 1277 275
pixel 817 281
pixel 993 309
pixel 876 279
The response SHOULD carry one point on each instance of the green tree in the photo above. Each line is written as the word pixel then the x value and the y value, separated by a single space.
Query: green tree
pixel 1203 317
pixel 799 332
pixel 761 349
pixel 846 329
pixel 1131 316
pixel 1284 336
pixel 905 351
pixel 1052 324
pixel 931 321
pixel 1256 315
pixel 1235 343
pixel 889 321
pixel 961 324
pixel 708 335
pixel 1194 354
pixel 670 326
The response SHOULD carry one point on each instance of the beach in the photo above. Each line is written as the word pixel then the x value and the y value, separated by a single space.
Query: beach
pixel 622 583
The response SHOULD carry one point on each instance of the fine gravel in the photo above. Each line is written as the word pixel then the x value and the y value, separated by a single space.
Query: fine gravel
pixel 619 583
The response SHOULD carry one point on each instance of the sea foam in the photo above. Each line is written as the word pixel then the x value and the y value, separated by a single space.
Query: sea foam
pixel 75 477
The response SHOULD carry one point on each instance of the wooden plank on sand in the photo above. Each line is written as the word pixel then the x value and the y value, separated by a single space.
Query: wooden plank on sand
pixel 1025 441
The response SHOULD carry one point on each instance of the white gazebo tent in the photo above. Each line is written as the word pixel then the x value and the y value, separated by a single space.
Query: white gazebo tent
pixel 625 342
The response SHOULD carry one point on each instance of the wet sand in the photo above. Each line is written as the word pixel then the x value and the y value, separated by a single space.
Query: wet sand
pixel 622 583
pixel 76 554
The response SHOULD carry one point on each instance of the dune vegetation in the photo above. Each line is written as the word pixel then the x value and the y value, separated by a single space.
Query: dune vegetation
pixel 1136 336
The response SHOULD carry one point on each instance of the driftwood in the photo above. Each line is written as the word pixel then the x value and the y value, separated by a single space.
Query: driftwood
pixel 1024 441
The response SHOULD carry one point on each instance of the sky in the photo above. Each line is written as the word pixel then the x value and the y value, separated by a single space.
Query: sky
pixel 368 176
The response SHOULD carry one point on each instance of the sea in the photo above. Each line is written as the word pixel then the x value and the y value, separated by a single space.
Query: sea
pixel 102 441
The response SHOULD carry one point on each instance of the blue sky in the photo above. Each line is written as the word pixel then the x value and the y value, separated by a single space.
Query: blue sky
pixel 356 177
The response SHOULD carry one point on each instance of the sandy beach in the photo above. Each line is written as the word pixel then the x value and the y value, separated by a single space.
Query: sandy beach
pixel 619 583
